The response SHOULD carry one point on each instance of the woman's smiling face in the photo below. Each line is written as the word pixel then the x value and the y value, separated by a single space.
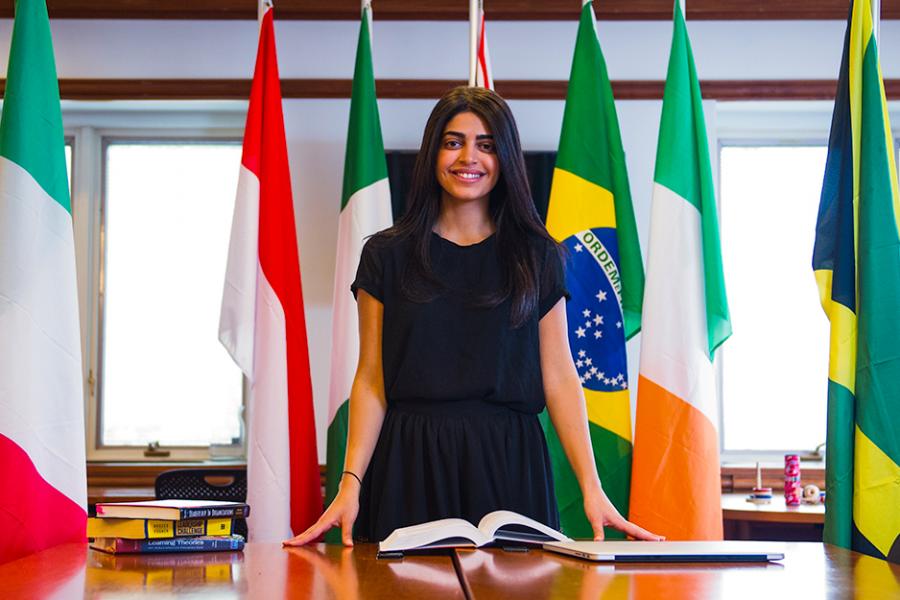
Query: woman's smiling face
pixel 467 167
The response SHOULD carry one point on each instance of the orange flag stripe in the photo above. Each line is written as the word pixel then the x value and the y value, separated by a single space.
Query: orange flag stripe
pixel 675 452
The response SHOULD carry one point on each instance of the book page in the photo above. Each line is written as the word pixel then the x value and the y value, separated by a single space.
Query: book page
pixel 434 534
pixel 495 525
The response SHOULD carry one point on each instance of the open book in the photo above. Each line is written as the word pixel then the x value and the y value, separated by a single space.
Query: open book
pixel 498 526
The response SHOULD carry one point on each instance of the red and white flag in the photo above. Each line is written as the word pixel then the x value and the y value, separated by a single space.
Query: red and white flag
pixel 483 70
pixel 262 322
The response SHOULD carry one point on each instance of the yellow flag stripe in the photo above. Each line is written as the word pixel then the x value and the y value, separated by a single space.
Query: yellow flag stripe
pixel 577 204
pixel 889 149
pixel 610 410
pixel 860 32
pixel 842 347
pixel 876 494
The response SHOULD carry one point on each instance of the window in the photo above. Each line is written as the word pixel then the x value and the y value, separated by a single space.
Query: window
pixel 69 164
pixel 775 365
pixel 163 376
pixel 773 371
pixel 153 188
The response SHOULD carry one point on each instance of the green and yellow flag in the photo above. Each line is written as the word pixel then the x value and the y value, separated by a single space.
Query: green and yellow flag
pixel 590 213
pixel 857 266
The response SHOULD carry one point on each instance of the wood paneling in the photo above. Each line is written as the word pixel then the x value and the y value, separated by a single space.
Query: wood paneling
pixel 121 475
pixel 445 10
pixel 743 479
pixel 121 481
pixel 142 474
pixel 239 89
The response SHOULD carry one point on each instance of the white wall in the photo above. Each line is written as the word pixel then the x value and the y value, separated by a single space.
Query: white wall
pixel 316 129
pixel 409 49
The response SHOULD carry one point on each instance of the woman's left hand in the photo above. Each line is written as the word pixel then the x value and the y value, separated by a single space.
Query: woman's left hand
pixel 600 511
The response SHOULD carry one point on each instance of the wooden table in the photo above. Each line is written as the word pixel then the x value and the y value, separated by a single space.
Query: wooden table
pixel 748 521
pixel 261 571
pixel 735 506
pixel 809 570
pixel 268 571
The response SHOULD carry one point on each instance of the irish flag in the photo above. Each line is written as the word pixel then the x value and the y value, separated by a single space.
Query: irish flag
pixel 590 212
pixel 262 322
pixel 365 209
pixel 675 486
pixel 43 490
pixel 857 266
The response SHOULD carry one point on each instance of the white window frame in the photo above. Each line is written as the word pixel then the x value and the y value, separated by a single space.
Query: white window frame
pixel 772 123
pixel 93 126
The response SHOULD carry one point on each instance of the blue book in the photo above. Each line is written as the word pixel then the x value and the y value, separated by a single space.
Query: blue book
pixel 184 544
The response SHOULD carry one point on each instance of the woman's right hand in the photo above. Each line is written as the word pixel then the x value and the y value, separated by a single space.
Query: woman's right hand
pixel 341 513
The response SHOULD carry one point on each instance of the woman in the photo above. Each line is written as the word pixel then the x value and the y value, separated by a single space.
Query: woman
pixel 462 342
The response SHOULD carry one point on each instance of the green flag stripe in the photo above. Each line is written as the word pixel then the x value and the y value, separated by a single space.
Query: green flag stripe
pixel 364 163
pixel 595 152
pixel 613 457
pixel 334 460
pixel 591 147
pixel 31 131
pixel 685 169
pixel 839 458
pixel 878 358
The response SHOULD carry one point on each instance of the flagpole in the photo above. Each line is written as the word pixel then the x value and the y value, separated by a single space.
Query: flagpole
pixel 876 24
pixel 473 40
pixel 367 6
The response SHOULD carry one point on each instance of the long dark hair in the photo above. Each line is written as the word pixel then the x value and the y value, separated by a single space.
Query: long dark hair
pixel 519 228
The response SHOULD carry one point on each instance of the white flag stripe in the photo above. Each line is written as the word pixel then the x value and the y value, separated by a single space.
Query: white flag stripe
pixel 483 70
pixel 674 344
pixel 239 296
pixel 367 211
pixel 38 309
pixel 253 329
pixel 268 454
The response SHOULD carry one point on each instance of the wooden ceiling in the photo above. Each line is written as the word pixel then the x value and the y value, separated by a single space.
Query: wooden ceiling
pixel 454 10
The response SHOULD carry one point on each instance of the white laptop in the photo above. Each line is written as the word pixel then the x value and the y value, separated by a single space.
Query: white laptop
pixel 682 552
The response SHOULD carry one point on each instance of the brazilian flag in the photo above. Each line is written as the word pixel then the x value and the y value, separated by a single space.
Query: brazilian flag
pixel 590 213
pixel 857 266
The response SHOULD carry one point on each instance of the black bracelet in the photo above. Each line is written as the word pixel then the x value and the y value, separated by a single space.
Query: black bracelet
pixel 354 475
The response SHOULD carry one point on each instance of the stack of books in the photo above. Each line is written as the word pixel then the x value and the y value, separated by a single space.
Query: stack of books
pixel 166 526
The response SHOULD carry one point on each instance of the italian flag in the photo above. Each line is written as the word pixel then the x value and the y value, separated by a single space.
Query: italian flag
pixel 365 209
pixel 262 324
pixel 43 490
pixel 675 487
pixel 590 212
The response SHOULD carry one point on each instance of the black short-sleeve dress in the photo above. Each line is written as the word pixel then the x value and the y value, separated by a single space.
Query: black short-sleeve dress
pixel 461 436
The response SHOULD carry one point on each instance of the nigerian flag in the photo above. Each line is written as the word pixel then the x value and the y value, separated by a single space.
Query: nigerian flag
pixel 590 212
pixel 365 209
pixel 857 266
